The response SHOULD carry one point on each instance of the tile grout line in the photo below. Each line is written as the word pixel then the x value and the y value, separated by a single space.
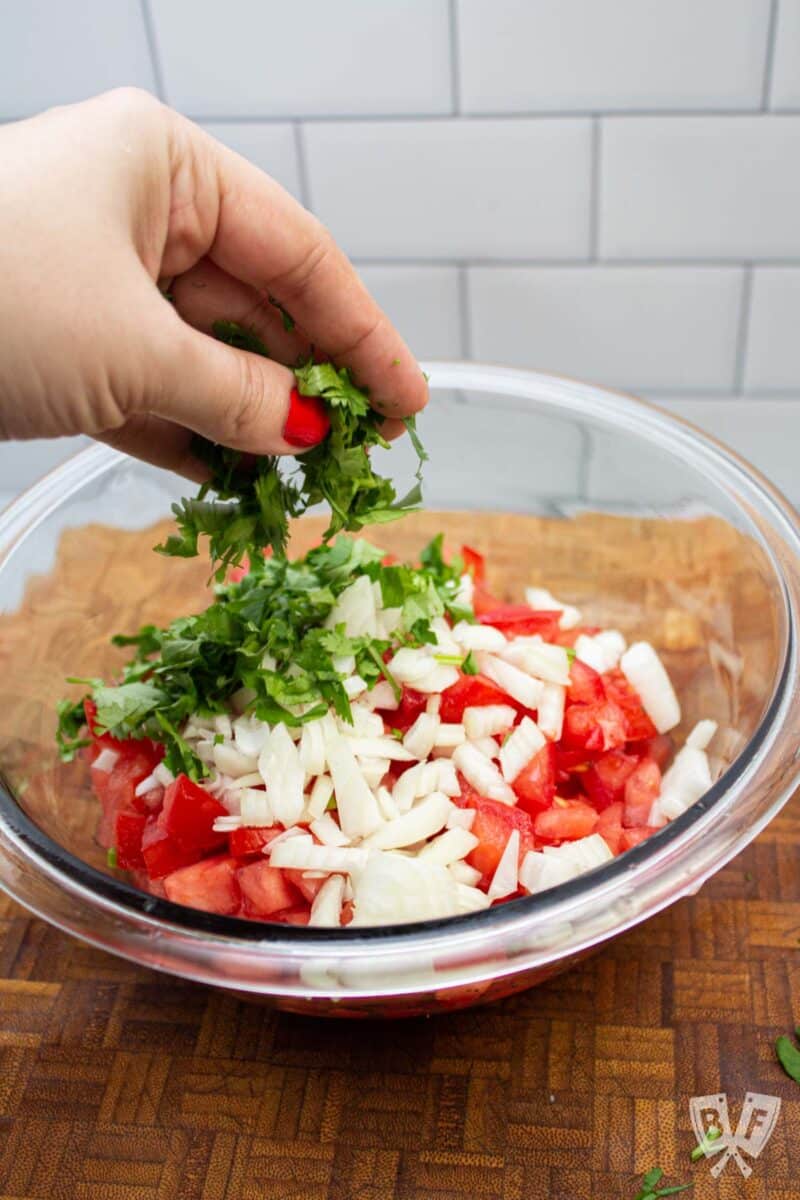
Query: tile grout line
pixel 464 314
pixel 594 190
pixel 421 260
pixel 743 330
pixel 580 114
pixel 769 61
pixel 302 164
pixel 152 46
pixel 455 63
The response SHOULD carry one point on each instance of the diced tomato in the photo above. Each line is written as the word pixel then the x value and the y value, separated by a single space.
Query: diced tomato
pixel 638 725
pixel 609 826
pixel 307 888
pixel 210 885
pixel 482 600
pixel 566 821
pixel 568 637
pixel 535 786
pixel 633 837
pixel 474 564
pixel 388 560
pixel 412 703
pixel 594 727
pixel 128 839
pixel 569 762
pixel 116 789
pixel 605 780
pixel 492 826
pixel 265 889
pixel 641 789
pixel 520 620
pixel 243 843
pixel 188 815
pixel 659 748
pixel 585 684
pixel 471 691
pixel 164 854
pixel 295 916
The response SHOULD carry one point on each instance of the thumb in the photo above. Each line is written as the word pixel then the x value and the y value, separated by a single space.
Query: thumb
pixel 234 397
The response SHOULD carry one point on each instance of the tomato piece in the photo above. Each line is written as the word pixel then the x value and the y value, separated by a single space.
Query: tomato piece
pixel 242 843
pixel 307 888
pixel 566 821
pixel 412 703
pixel 493 824
pixel 188 815
pixel 568 637
pixel 471 691
pixel 638 725
pixel 659 748
pixel 128 839
pixel 641 789
pixel 474 564
pixel 295 916
pixel 585 684
pixel 116 789
pixel 594 727
pixel 164 854
pixel 570 762
pixel 482 600
pixel 535 786
pixel 609 826
pixel 520 620
pixel 265 889
pixel 633 837
pixel 605 780
pixel 210 885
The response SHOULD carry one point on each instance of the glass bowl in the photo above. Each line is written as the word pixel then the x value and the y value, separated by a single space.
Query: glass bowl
pixel 641 520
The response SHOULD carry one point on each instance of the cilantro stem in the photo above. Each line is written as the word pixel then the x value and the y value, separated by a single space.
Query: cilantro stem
pixel 390 679
pixel 713 1134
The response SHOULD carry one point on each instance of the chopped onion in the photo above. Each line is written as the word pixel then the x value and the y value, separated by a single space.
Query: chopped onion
pixel 250 735
pixel 487 746
pixel 227 824
pixel 344 664
pixel 321 793
pixel 232 762
pixel 439 775
pixel 411 664
pixel 645 672
pixel 545 601
pixel 421 737
pixel 484 776
pixel 602 651
pixel 280 767
pixel 470 899
pixel 326 909
pixel 702 734
pixel 420 822
pixel 461 818
pixel 255 808
pixel 355 609
pixel 380 747
pixel 514 682
pixel 150 784
pixel 539 659
pixel 107 760
pixel 449 847
pixel 683 784
pixel 478 637
pixel 303 854
pixel 386 804
pixel 312 748
pixel 326 830
pixel 462 872
pixel 354 686
pixel 505 879
pixel 383 696
pixel 465 590
pixel 395 888
pixel 520 747
pixel 487 720
pixel 433 705
pixel 450 735
pixel 445 643
pixel 358 808
pixel 244 781
pixel 556 864
pixel 163 774
pixel 374 769
pixel 550 714
pixel 365 723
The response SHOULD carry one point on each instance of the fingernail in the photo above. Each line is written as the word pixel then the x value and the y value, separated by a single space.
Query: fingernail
pixel 308 421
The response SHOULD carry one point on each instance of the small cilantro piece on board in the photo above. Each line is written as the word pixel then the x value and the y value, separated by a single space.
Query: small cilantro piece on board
pixel 788 1055
pixel 253 500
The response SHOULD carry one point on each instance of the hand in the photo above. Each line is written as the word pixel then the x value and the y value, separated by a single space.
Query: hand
pixel 104 202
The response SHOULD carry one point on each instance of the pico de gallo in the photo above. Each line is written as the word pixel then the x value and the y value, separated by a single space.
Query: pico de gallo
pixel 349 740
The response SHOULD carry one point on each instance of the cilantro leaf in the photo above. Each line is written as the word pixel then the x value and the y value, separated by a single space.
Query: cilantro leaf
pixel 788 1055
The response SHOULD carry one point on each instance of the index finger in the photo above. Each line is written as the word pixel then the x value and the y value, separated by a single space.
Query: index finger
pixel 270 242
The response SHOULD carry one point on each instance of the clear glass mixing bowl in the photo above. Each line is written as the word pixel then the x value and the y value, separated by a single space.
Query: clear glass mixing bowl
pixel 646 523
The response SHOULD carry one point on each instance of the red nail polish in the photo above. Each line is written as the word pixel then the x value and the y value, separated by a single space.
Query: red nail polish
pixel 308 421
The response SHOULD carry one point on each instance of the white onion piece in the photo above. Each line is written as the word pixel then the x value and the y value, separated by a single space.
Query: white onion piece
pixel 382 696
pixel 470 899
pixel 465 590
pixel 439 679
pixel 373 770
pixel 450 735
pixel 514 682
pixel 583 854
pixel 357 807
pixel 250 735
pixel 702 734
pixel 321 793
pixel 445 642
pixel 142 789
pixel 463 873
pixel 232 762
pixel 646 673
pixel 439 775
pixel 602 651
pixel 433 704
pixel 461 818
pixel 487 720
pixel 540 659
pixel 545 601
pixel 683 784
pixel 365 723
pixel 487 746
pixel 255 808
pixel 540 872
pixel 478 637
pixel 326 909
pixel 449 847
pixel 484 776
pixel 550 713
pixel 245 781
pixel 380 747
pixel 354 686
pixel 242 698
pixel 355 609
pixel 222 726
pixel 303 854
pixel 312 748
pixel 422 821
pixel 326 830
pixel 388 621
pixel 395 888
pixel 520 747
pixel 411 664
pixel 421 737
pixel 506 876
pixel 107 760
pixel 557 864
pixel 344 664
pixel 386 804
pixel 280 768
pixel 227 824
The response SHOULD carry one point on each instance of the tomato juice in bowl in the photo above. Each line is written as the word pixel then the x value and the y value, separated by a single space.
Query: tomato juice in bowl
pixel 643 524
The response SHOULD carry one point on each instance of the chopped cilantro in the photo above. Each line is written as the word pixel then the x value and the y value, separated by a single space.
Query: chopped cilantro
pixel 254 500
pixel 469 665
pixel 788 1054
pixel 398 734
pixel 286 317
pixel 111 858
pixel 713 1134
pixel 650 1190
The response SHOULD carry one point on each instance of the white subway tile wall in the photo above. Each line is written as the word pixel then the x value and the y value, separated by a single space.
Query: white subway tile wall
pixel 602 188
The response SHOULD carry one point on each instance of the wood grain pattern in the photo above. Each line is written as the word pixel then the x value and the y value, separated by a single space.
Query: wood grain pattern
pixel 120 1084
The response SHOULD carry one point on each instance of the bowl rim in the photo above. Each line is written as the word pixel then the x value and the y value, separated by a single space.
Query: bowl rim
pixel 615 878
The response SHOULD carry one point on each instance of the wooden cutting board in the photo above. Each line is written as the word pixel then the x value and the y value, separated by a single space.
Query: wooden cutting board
pixel 120 1084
